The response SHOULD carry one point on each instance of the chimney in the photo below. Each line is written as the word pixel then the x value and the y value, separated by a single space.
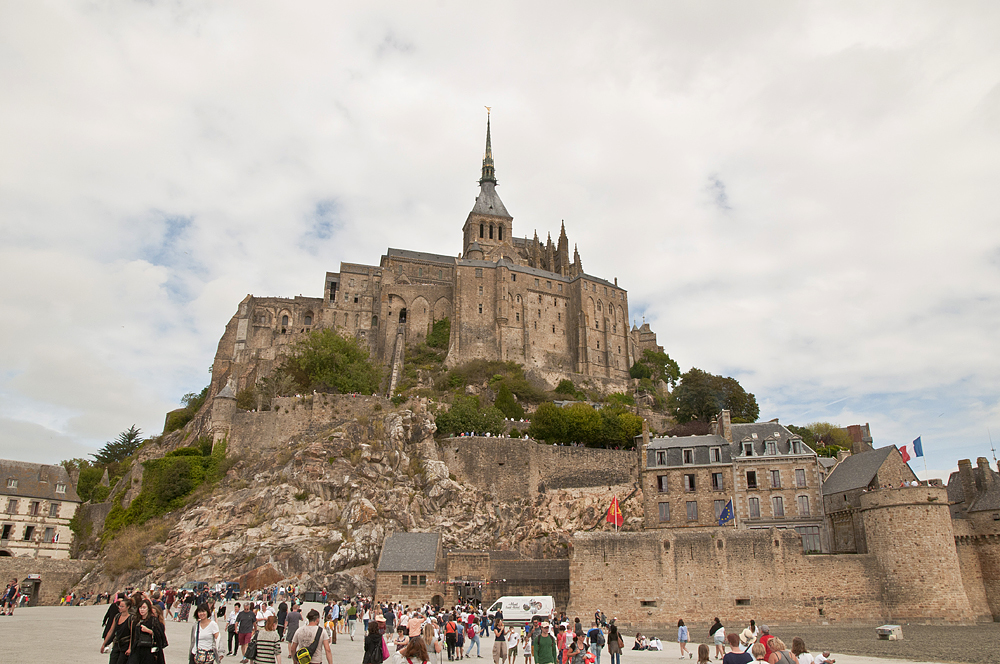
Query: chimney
pixel 725 426
pixel 842 454
pixel 968 481
pixel 985 479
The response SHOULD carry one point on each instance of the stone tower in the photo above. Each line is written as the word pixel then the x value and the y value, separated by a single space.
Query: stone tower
pixel 223 411
pixel 488 224
pixel 909 531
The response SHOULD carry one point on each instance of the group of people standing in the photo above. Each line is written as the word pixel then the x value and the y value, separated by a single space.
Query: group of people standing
pixel 753 644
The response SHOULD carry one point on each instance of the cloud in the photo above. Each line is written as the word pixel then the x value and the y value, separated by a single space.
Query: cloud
pixel 162 160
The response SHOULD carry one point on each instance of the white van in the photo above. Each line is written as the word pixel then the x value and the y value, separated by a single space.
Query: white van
pixel 521 609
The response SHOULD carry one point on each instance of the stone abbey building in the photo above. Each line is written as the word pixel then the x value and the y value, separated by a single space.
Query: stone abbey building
pixel 508 298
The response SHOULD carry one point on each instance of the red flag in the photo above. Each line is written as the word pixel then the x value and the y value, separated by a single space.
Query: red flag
pixel 615 513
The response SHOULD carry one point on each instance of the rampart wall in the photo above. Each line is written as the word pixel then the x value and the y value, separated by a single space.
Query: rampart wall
pixel 522 468
pixel 56 576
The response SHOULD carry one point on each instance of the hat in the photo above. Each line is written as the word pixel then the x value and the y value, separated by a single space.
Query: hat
pixel 765 628
pixel 546 624
pixel 379 618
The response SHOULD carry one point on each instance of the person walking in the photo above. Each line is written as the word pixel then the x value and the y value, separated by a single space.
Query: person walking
pixel 292 622
pixel 499 642
pixel 280 624
pixel 451 636
pixel 595 637
pixel 204 645
pixel 544 646
pixel 147 634
pixel 576 650
pixel 120 633
pixel 683 638
pixel 269 643
pixel 246 624
pixel 232 642
pixel 313 637
pixel 373 644
pixel 616 643
pixel 472 638
pixel 718 634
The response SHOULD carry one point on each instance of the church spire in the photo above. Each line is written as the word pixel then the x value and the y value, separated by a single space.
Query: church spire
pixel 489 175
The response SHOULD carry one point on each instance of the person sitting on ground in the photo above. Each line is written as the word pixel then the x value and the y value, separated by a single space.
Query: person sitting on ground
pixel 638 642
pixel 824 658
pixel 736 656
pixel 780 654
pixel 800 652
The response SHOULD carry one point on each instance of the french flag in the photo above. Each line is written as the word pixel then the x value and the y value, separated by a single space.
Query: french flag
pixel 912 450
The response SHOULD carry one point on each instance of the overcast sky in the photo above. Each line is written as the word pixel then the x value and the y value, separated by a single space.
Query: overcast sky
pixel 800 195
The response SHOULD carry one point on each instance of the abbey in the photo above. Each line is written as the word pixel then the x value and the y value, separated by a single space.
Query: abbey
pixel 508 298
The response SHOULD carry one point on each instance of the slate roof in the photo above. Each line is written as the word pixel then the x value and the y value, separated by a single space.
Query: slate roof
pixel 36 480
pixel 674 447
pixel 488 202
pixel 856 471
pixel 226 392
pixel 409 552
pixel 420 256
pixel 760 432
pixel 988 501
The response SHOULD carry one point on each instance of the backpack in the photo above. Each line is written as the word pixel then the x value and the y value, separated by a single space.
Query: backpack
pixel 599 640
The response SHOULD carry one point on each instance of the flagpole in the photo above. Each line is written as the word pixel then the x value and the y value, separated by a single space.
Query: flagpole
pixel 736 522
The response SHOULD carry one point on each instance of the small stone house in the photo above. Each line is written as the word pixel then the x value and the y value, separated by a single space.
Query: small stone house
pixel 842 491
pixel 37 502
pixel 407 569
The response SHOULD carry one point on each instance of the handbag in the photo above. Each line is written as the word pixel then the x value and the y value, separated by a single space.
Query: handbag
pixel 304 655
pixel 202 656
pixel 251 653
pixel 385 650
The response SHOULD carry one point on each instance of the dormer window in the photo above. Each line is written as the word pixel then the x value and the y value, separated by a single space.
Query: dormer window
pixel 661 458
pixel 748 449
pixel 688 456
pixel 60 487
pixel 11 483
pixel 796 447
pixel 715 453
pixel 772 447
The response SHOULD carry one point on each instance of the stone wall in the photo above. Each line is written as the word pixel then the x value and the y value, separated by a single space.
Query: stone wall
pixel 57 576
pixel 967 547
pixel 651 579
pixel 518 468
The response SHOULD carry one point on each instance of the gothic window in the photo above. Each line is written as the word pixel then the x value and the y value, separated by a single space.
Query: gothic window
pixel 491 231
pixel 440 274
pixel 480 231
pixel 597 324
pixel 308 320
pixel 374 322
pixel 619 350
pixel 420 271
pixel 500 230
pixel 284 321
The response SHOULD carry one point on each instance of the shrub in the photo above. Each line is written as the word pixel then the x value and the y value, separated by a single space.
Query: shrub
pixel 566 387
pixel 192 404
pixel 507 405
pixel 467 416
pixel 327 361
pixel 440 334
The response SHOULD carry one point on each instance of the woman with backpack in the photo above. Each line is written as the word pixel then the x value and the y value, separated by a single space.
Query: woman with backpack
pixel 373 644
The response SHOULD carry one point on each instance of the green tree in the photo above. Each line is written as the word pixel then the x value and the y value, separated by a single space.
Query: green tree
pixel 467 416
pixel 90 476
pixel 640 370
pixel 566 388
pixel 700 396
pixel 619 426
pixel 122 447
pixel 548 423
pixel 662 367
pixel 584 425
pixel 507 404
pixel 326 361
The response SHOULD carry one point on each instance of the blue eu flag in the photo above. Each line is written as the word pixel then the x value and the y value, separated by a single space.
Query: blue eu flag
pixel 727 513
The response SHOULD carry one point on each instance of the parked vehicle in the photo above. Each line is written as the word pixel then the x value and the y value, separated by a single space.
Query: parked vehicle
pixel 521 608
pixel 195 586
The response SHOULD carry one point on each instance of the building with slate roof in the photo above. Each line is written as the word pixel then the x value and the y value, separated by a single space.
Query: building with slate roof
pixel 508 298
pixel 854 476
pixel 413 570
pixel 38 502
pixel 772 477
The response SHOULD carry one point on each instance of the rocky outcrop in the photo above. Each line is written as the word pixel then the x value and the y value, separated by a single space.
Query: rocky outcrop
pixel 317 507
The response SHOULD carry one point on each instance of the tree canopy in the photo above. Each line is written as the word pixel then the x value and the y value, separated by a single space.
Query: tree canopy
pixel 125 445
pixel 580 423
pixel 329 362
pixel 700 396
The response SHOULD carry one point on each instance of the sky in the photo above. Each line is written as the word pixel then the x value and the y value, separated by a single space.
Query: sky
pixel 800 195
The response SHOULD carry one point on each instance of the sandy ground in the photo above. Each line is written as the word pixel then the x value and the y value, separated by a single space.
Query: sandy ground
pixel 53 633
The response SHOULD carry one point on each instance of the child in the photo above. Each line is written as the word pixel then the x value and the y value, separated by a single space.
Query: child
pixel 526 647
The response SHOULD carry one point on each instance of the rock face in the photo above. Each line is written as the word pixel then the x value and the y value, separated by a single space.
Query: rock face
pixel 316 507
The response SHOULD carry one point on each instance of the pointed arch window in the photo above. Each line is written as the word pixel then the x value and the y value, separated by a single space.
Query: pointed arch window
pixel 480 231
pixel 500 230
pixel 491 231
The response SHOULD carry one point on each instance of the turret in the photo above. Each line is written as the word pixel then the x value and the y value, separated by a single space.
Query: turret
pixel 223 411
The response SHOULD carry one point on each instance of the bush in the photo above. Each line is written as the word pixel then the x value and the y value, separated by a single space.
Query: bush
pixel 329 362
pixel 566 387
pixel 640 371
pixel 246 399
pixel 177 419
pixel 440 334
pixel 100 494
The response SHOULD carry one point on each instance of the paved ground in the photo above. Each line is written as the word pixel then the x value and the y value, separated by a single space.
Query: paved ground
pixel 74 634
